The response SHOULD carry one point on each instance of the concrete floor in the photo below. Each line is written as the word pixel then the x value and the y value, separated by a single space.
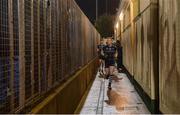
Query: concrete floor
pixel 122 99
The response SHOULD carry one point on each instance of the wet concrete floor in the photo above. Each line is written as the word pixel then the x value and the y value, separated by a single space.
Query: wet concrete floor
pixel 121 99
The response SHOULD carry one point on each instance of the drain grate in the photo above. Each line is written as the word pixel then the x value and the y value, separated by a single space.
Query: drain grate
pixel 101 98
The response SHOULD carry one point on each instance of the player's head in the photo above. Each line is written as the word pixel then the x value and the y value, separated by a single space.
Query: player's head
pixel 109 41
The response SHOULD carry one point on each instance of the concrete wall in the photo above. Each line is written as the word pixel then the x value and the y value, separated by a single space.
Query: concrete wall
pixel 65 98
pixel 169 55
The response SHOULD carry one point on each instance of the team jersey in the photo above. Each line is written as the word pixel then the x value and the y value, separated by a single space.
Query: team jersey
pixel 109 51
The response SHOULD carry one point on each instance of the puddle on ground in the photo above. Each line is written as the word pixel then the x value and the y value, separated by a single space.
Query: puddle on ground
pixel 116 100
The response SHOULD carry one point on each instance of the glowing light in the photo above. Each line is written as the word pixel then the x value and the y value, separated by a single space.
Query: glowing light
pixel 121 16
pixel 115 31
pixel 117 25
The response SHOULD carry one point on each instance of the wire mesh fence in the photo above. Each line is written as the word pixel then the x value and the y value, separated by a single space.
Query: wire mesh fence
pixel 5 66
pixel 16 53
pixel 42 43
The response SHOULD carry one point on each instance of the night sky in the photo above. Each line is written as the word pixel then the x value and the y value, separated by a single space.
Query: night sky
pixel 89 7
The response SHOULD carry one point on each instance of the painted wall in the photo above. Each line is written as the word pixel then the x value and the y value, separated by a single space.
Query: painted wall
pixel 169 55
pixel 140 46
pixel 139 42
pixel 151 46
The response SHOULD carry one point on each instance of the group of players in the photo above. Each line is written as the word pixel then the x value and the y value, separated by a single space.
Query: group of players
pixel 108 52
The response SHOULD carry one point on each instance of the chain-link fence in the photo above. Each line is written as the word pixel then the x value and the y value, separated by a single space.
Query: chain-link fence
pixel 42 43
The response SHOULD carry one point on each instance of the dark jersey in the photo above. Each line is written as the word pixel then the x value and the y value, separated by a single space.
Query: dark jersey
pixel 109 51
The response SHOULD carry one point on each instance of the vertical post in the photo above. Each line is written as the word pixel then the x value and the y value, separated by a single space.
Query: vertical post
pixel 58 38
pixel 45 43
pixel 132 35
pixel 39 55
pixel 96 9
pixel 32 48
pixel 49 52
pixel 106 7
pixel 178 35
pixel 21 53
pixel 10 15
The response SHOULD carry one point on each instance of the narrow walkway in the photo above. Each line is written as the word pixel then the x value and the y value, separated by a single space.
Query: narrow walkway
pixel 122 99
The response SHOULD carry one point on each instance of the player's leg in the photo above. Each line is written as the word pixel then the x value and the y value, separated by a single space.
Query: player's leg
pixel 103 66
pixel 100 61
pixel 106 69
pixel 111 71
pixel 107 73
